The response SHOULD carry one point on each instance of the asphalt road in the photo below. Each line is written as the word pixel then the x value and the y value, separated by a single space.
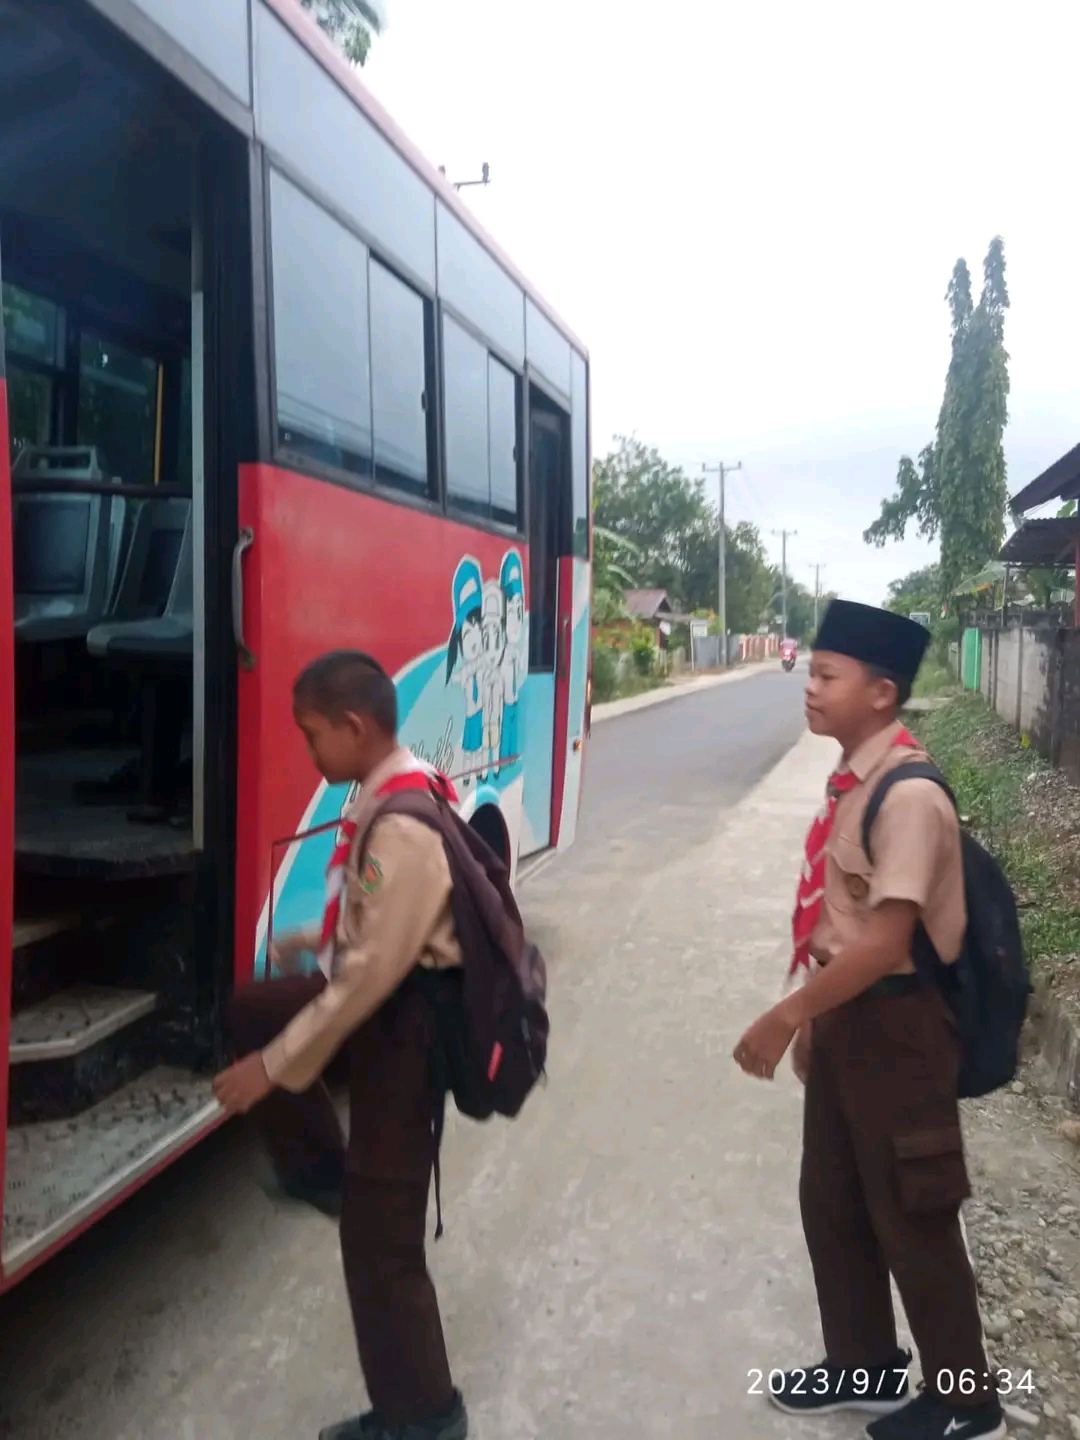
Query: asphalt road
pixel 605 1260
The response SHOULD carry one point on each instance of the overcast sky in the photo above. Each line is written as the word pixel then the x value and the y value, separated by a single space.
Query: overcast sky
pixel 750 213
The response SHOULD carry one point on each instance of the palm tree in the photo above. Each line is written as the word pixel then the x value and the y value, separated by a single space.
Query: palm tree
pixel 349 23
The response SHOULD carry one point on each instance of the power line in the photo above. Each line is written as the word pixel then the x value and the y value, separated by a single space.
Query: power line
pixel 722 470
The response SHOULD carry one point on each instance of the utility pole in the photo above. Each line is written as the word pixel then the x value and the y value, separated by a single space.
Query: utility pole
pixel 783 574
pixel 817 569
pixel 721 609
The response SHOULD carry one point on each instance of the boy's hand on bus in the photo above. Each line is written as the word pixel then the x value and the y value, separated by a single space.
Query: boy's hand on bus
pixel 242 1085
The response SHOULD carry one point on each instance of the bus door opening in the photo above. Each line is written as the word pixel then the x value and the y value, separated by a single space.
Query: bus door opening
pixel 106 309
pixel 549 540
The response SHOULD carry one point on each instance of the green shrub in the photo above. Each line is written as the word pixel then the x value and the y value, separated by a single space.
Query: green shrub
pixel 644 654
pixel 605 673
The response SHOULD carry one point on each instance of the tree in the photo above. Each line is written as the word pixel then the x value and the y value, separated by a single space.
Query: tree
pixel 921 590
pixel 349 23
pixel 749 579
pixel 654 505
pixel 957 488
pixel 666 516
pixel 611 579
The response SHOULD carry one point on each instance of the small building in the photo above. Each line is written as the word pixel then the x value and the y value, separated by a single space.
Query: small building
pixel 1054 543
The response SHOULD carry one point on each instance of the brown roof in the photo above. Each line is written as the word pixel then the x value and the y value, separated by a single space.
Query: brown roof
pixel 1061 481
pixel 648 604
pixel 1043 542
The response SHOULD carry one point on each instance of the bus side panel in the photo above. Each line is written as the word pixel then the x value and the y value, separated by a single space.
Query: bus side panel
pixel 7 764
pixel 580 580
pixel 332 568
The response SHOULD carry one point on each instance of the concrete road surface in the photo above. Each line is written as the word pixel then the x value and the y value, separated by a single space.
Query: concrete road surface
pixel 618 1262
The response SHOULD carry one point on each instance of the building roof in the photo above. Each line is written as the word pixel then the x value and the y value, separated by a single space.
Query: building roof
pixel 649 604
pixel 1043 542
pixel 1061 481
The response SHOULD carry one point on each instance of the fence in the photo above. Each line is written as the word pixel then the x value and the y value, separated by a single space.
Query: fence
pixel 1031 676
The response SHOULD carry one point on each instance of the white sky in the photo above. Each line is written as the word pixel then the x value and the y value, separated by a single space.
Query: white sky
pixel 750 213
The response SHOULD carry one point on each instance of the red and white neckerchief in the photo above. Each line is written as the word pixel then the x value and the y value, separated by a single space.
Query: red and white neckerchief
pixel 421 777
pixel 811 891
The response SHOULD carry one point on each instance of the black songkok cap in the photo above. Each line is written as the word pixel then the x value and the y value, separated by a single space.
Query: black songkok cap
pixel 876 637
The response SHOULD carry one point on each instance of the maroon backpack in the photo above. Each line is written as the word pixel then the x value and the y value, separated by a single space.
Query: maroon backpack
pixel 491 1025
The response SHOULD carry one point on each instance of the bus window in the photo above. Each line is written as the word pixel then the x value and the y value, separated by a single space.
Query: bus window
pixel 481 410
pixel 33 335
pixel 502 441
pixel 320 333
pixel 399 377
pixel 118 403
pixel 579 445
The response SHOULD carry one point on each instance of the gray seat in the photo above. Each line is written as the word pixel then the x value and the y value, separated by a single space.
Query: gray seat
pixel 67 546
pixel 161 637
pixel 151 559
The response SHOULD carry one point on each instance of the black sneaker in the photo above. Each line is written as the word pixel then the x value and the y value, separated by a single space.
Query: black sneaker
pixel 929 1417
pixel 454 1425
pixel 823 1389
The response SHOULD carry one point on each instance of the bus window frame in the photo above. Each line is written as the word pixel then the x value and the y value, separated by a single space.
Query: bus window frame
pixel 438 502
pixel 77 320
pixel 462 515
pixel 296 461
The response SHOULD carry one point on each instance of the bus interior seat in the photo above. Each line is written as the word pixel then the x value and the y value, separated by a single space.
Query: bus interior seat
pixel 159 651
pixel 66 545
pixel 151 558
pixel 165 637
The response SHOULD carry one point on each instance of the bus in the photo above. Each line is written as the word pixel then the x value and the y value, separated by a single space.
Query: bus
pixel 267 390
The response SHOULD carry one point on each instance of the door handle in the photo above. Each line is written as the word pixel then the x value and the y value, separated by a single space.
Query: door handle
pixel 244 541
pixel 564 646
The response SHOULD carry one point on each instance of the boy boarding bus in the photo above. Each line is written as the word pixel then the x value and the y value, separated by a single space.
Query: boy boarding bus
pixel 266 390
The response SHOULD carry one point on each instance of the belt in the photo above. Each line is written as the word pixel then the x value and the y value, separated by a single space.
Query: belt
pixel 890 986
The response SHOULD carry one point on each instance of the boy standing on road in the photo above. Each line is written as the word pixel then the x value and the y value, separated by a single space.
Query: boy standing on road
pixel 883 1171
pixel 387 913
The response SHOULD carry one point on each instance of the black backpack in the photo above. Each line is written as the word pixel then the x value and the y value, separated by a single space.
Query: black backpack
pixel 490 1025
pixel 988 986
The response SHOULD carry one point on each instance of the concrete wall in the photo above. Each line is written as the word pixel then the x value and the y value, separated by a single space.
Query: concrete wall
pixel 1032 679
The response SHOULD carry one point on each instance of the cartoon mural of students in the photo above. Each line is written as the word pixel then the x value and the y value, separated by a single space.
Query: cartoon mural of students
pixel 494 636
pixel 466 644
pixel 515 660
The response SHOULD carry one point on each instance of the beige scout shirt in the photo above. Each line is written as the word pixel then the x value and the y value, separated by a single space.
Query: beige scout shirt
pixel 917 857
pixel 394 919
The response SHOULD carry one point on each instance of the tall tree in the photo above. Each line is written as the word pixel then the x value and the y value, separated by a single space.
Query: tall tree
pixel 349 23
pixel 957 489
pixel 668 518
pixel 661 511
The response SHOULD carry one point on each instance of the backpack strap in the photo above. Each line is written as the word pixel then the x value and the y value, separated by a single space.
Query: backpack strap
pixel 927 961
pixel 913 770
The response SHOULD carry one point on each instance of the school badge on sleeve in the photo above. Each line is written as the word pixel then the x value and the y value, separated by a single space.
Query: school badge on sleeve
pixel 371 876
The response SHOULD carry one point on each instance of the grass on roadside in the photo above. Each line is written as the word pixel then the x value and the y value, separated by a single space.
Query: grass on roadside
pixel 1023 810
pixel 934 678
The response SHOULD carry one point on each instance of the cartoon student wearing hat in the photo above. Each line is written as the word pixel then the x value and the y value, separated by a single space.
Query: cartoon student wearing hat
pixel 466 644
pixel 515 663
pixel 493 631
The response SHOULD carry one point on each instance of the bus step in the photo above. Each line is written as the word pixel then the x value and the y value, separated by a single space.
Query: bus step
pixel 74 1020
pixel 71 1050
pixel 60 1174
pixel 33 929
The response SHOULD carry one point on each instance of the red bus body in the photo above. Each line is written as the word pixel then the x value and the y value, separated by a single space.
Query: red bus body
pixel 185 374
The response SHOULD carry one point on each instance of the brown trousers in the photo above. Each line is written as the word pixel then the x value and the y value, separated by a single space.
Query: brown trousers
pixel 883 1177
pixel 387 1168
